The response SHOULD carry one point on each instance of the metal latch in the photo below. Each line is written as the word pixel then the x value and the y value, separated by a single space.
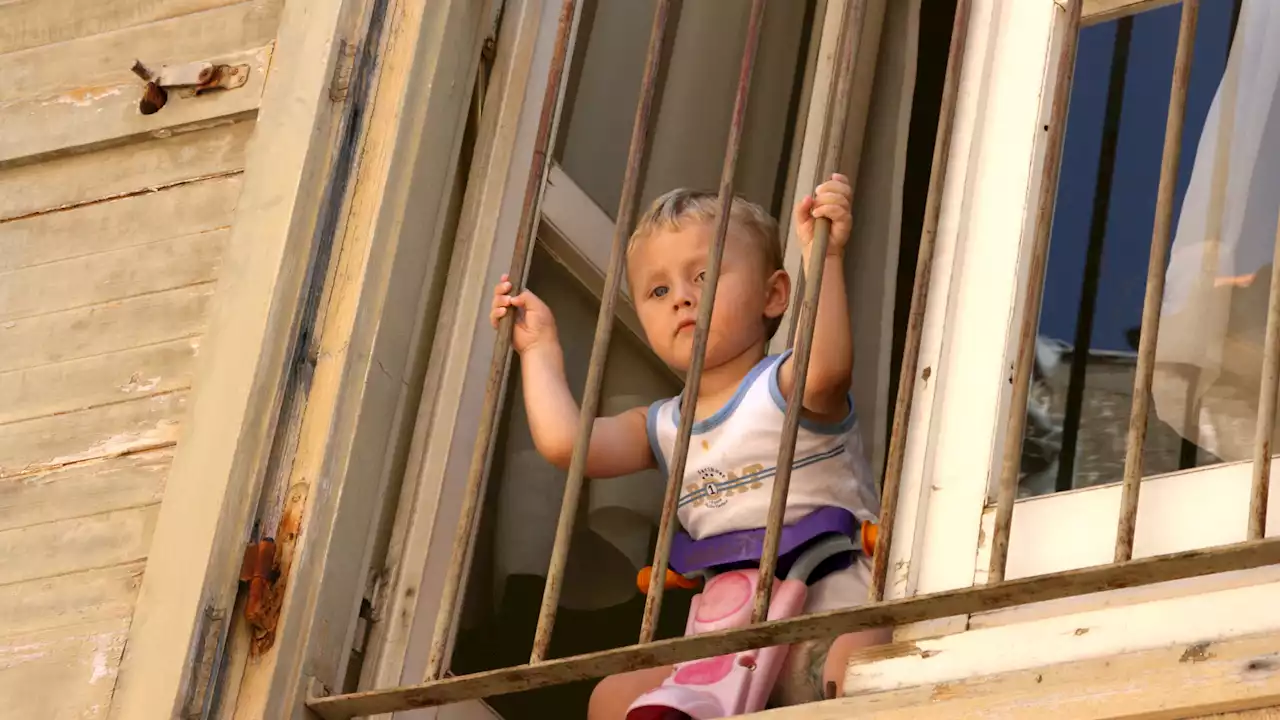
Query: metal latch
pixel 187 80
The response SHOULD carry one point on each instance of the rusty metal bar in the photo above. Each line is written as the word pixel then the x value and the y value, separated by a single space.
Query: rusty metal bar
pixel 1057 131
pixel 1072 583
pixel 919 301
pixel 604 331
pixel 706 303
pixel 1161 238
pixel 1258 494
pixel 484 438
pixel 851 27
pixel 1099 216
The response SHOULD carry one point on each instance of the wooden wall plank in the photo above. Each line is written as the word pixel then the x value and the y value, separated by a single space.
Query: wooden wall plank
pixel 134 220
pixel 66 600
pixel 30 23
pixel 105 59
pixel 123 171
pixel 70 546
pixel 98 380
pixel 83 489
pixel 111 430
pixel 103 328
pixel 217 474
pixel 62 674
pixel 113 275
pixel 87 117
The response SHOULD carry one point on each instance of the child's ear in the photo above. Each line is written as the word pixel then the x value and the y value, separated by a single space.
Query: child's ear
pixel 777 294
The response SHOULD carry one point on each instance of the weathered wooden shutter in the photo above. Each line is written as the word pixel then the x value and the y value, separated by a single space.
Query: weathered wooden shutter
pixel 139 259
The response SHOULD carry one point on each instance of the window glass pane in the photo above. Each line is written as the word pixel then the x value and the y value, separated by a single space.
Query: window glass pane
pixel 1208 358
pixel 695 100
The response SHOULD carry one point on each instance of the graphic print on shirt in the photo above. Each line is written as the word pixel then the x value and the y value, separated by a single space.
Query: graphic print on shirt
pixel 713 487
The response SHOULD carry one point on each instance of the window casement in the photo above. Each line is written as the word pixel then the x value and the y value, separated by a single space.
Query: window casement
pixel 970 358
pixel 960 422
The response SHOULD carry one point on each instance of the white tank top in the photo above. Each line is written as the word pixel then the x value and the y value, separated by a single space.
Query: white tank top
pixel 728 478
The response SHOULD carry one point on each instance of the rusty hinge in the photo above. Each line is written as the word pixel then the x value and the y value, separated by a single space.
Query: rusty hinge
pixel 188 80
pixel 259 572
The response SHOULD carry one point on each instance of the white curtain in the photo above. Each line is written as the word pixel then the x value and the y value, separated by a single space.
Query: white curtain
pixel 1209 353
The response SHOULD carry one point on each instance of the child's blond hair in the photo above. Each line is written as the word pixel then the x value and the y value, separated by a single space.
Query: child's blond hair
pixel 670 211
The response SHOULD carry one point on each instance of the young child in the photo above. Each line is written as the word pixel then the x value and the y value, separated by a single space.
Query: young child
pixel 740 406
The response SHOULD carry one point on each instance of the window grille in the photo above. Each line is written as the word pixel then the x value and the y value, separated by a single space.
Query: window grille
pixel 440 688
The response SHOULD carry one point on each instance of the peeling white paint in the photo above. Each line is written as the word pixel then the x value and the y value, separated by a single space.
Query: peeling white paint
pixel 164 432
pixel 137 384
pixel 1069 638
pixel 103 650
pixel 14 655
pixel 84 97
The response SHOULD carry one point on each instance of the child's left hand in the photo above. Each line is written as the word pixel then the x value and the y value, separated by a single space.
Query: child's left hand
pixel 831 200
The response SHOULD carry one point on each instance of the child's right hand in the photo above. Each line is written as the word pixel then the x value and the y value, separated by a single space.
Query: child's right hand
pixel 534 324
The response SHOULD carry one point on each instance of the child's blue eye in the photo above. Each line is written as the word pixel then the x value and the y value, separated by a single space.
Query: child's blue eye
pixel 658 291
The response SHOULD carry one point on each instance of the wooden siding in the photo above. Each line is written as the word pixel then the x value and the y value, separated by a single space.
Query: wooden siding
pixel 112 227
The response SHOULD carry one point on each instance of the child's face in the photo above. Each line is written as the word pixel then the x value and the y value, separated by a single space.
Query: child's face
pixel 666 271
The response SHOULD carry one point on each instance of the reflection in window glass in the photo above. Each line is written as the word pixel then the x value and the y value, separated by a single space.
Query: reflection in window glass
pixel 695 100
pixel 1208 357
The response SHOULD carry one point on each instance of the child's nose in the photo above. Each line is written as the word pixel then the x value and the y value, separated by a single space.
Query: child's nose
pixel 683 297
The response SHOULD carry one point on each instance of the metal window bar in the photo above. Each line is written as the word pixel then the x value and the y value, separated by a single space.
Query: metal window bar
pixel 494 388
pixel 706 303
pixel 604 329
pixel 1012 458
pixel 998 593
pixel 919 302
pixel 833 143
pixel 1161 239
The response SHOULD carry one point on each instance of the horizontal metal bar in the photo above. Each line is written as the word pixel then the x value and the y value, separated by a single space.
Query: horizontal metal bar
pixel 1135 573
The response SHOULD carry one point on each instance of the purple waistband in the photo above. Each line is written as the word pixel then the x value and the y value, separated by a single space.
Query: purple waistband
pixel 744 547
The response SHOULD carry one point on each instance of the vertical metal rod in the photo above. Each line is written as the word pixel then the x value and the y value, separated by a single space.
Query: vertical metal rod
pixel 833 143
pixel 706 303
pixel 1033 293
pixel 1266 405
pixel 604 331
pixel 1161 237
pixel 1093 255
pixel 471 502
pixel 919 301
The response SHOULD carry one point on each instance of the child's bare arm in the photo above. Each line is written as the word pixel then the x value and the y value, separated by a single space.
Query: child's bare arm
pixel 826 386
pixel 619 444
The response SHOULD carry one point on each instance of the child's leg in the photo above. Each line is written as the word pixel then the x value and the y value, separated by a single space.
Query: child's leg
pixel 815 669
pixel 614 694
